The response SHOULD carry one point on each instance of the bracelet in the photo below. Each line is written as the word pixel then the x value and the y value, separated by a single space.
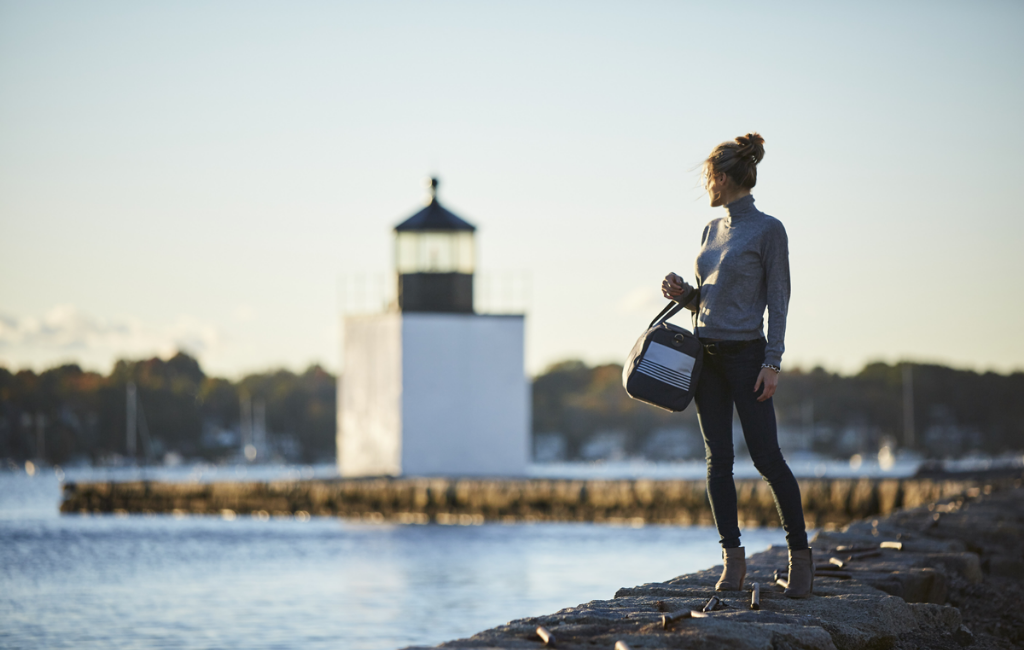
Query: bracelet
pixel 771 367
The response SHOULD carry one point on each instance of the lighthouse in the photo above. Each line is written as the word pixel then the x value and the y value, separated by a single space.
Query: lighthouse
pixel 432 388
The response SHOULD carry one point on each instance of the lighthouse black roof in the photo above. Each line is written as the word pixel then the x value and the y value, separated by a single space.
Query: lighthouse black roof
pixel 434 217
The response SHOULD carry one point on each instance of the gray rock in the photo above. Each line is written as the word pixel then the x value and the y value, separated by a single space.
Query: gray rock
pixel 913 585
pixel 1007 567
pixel 966 565
pixel 963 636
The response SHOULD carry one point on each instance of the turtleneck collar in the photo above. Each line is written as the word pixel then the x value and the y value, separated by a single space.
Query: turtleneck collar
pixel 740 208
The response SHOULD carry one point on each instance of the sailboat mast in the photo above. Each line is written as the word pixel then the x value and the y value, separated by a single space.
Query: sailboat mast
pixel 132 417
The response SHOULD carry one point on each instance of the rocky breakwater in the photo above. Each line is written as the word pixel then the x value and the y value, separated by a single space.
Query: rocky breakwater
pixel 827 502
pixel 945 575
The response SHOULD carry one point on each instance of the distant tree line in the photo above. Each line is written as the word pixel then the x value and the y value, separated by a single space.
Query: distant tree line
pixel 66 413
pixel 579 401
pixel 952 412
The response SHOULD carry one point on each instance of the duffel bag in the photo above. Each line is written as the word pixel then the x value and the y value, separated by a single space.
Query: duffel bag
pixel 663 366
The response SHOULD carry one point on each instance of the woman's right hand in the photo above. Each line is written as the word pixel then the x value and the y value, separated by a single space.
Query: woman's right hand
pixel 674 287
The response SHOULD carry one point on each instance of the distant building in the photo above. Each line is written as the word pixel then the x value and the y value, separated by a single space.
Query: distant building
pixel 433 388
pixel 673 443
pixel 549 447
pixel 606 444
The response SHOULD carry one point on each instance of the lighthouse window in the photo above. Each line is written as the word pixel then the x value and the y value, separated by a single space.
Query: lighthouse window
pixel 434 252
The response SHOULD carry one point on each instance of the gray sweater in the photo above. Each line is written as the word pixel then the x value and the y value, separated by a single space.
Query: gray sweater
pixel 742 268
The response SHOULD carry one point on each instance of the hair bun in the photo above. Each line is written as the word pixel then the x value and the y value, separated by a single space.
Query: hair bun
pixel 751 144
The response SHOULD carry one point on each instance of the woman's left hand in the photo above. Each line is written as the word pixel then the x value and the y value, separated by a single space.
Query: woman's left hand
pixel 770 379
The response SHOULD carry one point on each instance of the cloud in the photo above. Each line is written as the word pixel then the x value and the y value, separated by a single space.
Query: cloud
pixel 66 329
pixel 641 300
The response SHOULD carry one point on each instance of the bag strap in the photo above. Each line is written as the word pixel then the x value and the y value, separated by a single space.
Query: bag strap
pixel 670 310
pixel 696 312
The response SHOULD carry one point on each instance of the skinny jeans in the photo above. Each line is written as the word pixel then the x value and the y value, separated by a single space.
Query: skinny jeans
pixel 727 379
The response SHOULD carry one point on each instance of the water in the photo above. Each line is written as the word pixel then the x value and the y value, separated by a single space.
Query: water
pixel 205 582
pixel 804 465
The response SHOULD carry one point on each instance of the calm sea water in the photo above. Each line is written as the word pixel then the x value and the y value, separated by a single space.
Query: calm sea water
pixel 204 582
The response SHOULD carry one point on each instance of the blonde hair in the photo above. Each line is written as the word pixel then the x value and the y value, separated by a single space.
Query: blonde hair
pixel 737 159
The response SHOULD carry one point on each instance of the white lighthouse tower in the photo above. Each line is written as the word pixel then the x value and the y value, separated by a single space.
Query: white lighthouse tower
pixel 432 388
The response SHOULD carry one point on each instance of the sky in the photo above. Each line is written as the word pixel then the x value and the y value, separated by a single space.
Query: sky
pixel 223 178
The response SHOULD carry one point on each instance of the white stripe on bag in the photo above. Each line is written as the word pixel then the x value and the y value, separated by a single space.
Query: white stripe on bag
pixel 678 376
pixel 658 372
pixel 669 359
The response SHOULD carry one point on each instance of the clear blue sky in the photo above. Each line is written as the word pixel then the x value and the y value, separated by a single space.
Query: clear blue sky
pixel 200 174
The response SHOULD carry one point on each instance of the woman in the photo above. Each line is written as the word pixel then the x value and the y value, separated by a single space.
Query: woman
pixel 742 268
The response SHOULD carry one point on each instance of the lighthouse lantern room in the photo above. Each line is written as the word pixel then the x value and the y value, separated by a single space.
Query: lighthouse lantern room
pixel 434 260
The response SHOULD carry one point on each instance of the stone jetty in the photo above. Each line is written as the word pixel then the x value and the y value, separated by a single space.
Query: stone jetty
pixel 828 503
pixel 941 576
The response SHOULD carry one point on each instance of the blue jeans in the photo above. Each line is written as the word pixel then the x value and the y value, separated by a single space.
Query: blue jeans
pixel 728 378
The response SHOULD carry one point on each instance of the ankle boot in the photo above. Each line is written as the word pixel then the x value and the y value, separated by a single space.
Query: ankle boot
pixel 801 574
pixel 735 569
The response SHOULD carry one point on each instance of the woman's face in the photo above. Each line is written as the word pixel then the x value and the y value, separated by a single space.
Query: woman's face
pixel 717 189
